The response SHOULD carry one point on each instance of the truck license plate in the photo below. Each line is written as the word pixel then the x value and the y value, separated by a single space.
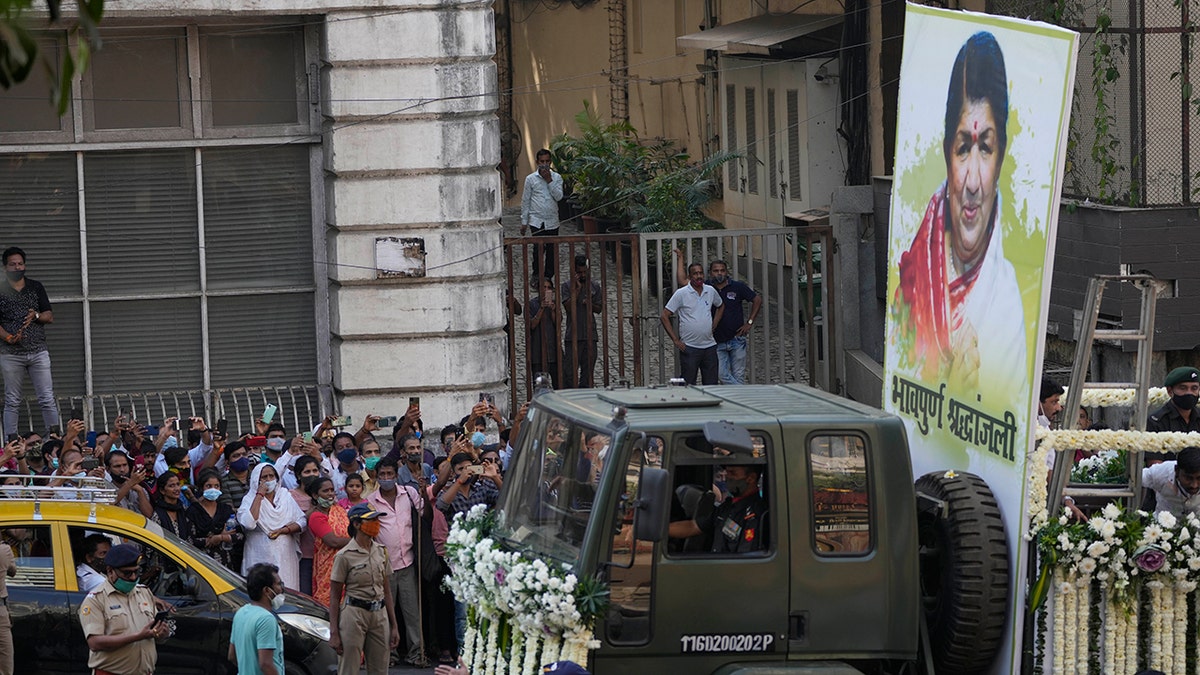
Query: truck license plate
pixel 734 642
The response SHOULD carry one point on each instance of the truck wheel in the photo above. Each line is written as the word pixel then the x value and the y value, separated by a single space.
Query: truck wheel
pixel 964 572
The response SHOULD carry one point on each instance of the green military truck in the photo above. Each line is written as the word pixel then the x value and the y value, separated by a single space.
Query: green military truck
pixel 847 567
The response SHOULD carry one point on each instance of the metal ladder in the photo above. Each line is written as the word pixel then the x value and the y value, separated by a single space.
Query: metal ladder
pixel 1088 333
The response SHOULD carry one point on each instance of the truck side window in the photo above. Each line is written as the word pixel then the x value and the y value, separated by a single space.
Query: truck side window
pixel 707 517
pixel 840 499
pixel 631 576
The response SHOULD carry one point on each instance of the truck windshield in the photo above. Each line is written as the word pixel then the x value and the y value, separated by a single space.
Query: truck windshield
pixel 550 486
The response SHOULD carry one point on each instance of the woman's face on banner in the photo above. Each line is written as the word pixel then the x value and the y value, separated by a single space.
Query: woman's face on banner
pixel 973 161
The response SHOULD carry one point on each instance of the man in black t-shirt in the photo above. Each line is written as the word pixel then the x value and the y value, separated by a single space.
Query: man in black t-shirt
pixel 24 311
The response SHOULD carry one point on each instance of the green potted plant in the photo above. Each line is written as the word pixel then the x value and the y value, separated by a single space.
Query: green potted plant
pixel 674 199
pixel 675 196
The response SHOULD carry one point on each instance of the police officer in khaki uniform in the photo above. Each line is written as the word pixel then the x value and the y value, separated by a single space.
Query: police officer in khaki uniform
pixel 366 621
pixel 118 619
pixel 8 568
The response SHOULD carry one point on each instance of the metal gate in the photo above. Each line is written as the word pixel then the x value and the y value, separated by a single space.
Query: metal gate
pixel 792 335
pixel 615 357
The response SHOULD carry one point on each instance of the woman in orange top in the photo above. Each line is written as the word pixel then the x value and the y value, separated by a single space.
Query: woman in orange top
pixel 329 525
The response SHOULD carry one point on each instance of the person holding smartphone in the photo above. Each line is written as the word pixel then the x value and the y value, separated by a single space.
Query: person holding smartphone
pixel 126 646
pixel 24 313
pixel 473 484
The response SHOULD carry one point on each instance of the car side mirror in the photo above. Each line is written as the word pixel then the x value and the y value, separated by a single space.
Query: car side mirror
pixel 654 498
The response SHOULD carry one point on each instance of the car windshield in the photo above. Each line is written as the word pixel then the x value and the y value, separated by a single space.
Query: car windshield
pixel 550 486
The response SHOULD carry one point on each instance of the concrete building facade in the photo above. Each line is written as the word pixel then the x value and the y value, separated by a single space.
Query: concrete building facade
pixel 308 189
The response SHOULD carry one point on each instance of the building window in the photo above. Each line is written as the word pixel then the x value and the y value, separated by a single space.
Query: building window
pixel 138 80
pixel 177 256
pixel 252 79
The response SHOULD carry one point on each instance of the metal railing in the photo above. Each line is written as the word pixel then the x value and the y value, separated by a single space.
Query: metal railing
pixel 793 338
pixel 783 264
pixel 300 407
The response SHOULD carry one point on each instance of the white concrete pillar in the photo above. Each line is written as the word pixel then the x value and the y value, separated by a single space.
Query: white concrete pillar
pixel 411 149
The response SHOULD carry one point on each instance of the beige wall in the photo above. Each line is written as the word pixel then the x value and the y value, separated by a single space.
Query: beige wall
pixel 561 58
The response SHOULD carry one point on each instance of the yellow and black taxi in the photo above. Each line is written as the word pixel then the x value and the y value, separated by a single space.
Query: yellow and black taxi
pixel 46 528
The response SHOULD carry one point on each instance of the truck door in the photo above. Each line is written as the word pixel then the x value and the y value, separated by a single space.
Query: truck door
pixel 693 603
pixel 853 562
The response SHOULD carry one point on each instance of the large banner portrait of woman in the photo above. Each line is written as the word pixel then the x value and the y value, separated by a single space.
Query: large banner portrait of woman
pixel 984 103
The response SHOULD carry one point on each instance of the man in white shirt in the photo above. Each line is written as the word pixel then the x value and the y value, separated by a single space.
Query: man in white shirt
pixel 539 210
pixel 1176 484
pixel 694 304
pixel 91 572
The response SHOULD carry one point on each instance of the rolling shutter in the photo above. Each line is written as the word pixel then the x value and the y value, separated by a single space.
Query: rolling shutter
pixel 39 212
pixel 751 141
pixel 772 147
pixel 793 136
pixel 262 340
pixel 141 222
pixel 146 345
pixel 731 136
pixel 258 217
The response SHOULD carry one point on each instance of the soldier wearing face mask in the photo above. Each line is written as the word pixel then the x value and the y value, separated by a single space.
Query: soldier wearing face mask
pixel 739 524
pixel 1178 414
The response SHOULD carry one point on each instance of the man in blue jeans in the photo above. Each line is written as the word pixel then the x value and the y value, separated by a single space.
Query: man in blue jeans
pixel 24 312
pixel 730 333
pixel 695 304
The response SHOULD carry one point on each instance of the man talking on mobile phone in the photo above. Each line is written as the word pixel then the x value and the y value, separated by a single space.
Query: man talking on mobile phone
pixel 539 210
pixel 24 312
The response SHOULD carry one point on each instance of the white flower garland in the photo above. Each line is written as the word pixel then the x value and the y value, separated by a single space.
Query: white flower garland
pixel 536 601
pixel 468 654
pixel 489 665
pixel 1115 439
pixel 1060 633
pixel 517 655
pixel 1112 622
pixel 1117 398
pixel 532 644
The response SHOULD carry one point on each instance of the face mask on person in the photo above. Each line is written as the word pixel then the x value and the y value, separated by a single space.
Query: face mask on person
pixel 736 486
pixel 54 462
pixel 417 434
pixel 275 444
pixel 347 456
pixel 171 442
pixel 1185 401
pixel 372 462
pixel 277 601
pixel 324 503
pixel 212 494
pixel 478 439
pixel 387 485
pixel 124 585
pixel 370 527
pixel 15 275
pixel 414 458
pixel 240 464
pixel 271 485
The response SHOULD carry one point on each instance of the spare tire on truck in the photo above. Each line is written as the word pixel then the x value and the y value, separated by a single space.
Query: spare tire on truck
pixel 964 571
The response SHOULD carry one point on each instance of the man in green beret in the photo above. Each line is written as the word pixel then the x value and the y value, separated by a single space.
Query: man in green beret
pixel 1178 414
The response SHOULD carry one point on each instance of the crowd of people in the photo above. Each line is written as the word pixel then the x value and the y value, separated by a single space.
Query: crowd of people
pixel 303 505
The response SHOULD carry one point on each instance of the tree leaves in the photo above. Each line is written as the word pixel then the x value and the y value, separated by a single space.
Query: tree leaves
pixel 19 47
